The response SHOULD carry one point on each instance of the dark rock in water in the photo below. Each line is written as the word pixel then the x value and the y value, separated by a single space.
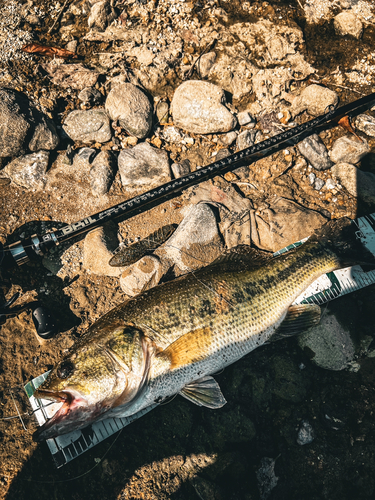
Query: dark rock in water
pixel 315 152
pixel 23 126
pixel 306 433
pixel 289 382
pixel 29 170
pixel 267 479
pixel 329 344
pixel 230 427
pixel 102 173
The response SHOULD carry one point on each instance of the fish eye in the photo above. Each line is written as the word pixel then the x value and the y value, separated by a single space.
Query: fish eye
pixel 65 369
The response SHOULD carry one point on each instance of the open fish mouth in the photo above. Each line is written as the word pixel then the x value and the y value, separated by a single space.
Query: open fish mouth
pixel 73 410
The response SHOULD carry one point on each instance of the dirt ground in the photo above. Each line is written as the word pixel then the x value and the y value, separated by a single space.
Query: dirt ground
pixel 180 451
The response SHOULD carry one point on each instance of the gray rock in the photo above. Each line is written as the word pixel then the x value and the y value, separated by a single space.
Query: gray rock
pixel 142 275
pixel 366 124
pixel 98 249
pixel 229 138
pixel 199 107
pixel 180 169
pixel 315 152
pixel 329 344
pixel 205 63
pixel 312 177
pixel 318 184
pixel 347 23
pixel 102 173
pixel 143 165
pixel 222 153
pixel 45 136
pixel 245 118
pixel 348 150
pixel 358 183
pixel 88 126
pixel 17 116
pixel 29 170
pixel 131 107
pixel 331 184
pixel 90 96
pixel 315 99
pixel 246 139
pixel 306 433
pixel 196 242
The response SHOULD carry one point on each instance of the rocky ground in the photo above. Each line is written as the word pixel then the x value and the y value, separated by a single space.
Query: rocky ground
pixel 102 100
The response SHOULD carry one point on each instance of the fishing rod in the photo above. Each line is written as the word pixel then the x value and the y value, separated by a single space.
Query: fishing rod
pixel 38 245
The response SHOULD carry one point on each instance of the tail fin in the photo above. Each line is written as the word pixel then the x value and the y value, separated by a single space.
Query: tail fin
pixel 341 236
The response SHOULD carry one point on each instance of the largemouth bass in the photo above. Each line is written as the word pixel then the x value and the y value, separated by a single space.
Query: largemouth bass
pixel 170 339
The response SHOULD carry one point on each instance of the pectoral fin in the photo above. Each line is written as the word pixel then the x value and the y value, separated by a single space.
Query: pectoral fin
pixel 298 319
pixel 204 392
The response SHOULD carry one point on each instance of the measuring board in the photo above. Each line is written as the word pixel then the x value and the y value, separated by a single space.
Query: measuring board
pixel 329 286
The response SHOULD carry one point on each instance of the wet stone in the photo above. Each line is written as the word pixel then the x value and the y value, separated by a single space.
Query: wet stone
pixel 102 173
pixel 196 242
pixel 329 344
pixel 315 99
pixel 306 433
pixel 132 108
pixel 143 165
pixel 348 150
pixel 347 23
pixel 313 149
pixel 88 126
pixel 366 124
pixel 289 383
pixel 246 139
pixel 199 107
pixel 29 170
pixel 142 275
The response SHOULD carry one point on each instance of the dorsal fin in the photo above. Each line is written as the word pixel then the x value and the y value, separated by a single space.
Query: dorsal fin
pixel 241 255
pixel 204 392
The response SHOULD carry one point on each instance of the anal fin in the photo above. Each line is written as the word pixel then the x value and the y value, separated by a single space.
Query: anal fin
pixel 298 319
pixel 204 392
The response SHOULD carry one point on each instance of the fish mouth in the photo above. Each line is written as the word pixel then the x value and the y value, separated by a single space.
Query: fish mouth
pixel 69 417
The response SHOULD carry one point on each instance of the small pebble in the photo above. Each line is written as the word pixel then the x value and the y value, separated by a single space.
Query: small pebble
pixel 306 433
pixel 319 183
